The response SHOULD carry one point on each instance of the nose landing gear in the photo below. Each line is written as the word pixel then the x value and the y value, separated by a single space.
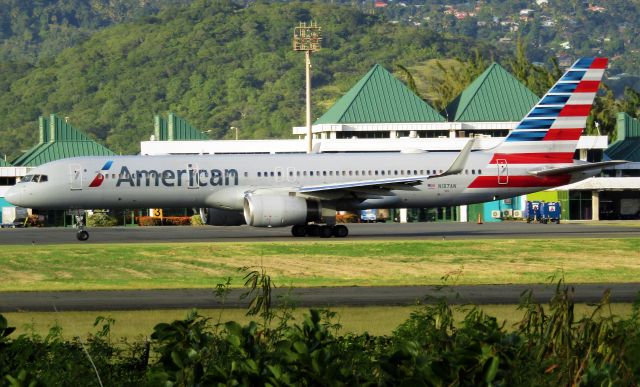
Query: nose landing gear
pixel 82 234
pixel 324 231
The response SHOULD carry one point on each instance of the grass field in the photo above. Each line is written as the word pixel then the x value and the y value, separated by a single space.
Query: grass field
pixel 135 324
pixel 317 263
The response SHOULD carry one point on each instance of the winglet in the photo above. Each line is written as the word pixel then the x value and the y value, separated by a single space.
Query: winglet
pixel 458 164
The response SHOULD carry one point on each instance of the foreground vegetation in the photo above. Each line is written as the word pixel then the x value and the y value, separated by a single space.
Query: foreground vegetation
pixel 549 346
pixel 317 263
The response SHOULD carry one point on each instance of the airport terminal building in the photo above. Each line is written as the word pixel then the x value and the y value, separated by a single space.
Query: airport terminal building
pixel 380 114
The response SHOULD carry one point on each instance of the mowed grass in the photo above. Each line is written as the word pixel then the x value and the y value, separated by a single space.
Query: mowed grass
pixel 317 263
pixel 139 324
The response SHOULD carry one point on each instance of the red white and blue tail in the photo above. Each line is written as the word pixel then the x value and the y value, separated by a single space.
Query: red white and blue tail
pixel 549 133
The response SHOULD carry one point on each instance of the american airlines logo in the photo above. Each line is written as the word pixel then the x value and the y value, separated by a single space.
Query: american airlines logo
pixel 190 176
pixel 97 181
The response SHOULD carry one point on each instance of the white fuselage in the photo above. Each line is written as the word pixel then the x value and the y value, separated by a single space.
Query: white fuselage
pixel 224 181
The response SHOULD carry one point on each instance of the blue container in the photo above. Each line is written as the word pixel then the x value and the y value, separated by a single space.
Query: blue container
pixel 533 211
pixel 552 212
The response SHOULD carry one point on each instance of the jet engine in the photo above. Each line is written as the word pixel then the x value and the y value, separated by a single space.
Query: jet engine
pixel 280 210
pixel 218 217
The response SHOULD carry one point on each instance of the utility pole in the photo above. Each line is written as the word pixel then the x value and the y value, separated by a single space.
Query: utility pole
pixel 307 38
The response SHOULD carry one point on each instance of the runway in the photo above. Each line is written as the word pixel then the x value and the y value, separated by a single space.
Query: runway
pixel 303 297
pixel 377 231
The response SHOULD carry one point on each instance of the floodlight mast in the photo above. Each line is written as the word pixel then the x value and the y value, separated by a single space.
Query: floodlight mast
pixel 307 38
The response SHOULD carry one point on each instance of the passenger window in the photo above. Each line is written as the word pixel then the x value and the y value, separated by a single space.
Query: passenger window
pixel 357 173
pixel 304 173
pixel 415 172
pixel 466 171
pixel 350 173
pixel 310 173
pixel 344 173
pixel 324 173
pixel 246 174
pixel 473 171
pixel 290 173
pixel 279 173
pixel 330 173
pixel 382 172
pixel 297 173
pixel 369 172
pixel 271 173
pixel 479 171
pixel 259 174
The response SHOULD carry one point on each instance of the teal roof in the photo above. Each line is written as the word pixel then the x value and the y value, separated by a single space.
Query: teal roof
pixel 627 147
pixel 495 95
pixel 175 129
pixel 4 163
pixel 59 140
pixel 379 98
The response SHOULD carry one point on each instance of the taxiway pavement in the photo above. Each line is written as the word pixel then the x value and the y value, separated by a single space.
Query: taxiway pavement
pixel 380 231
pixel 304 297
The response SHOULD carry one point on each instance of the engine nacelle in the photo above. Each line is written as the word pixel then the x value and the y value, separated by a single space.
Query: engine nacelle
pixel 218 217
pixel 279 210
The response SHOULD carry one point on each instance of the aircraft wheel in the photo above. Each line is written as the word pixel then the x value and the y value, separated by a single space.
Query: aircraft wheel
pixel 340 231
pixel 313 230
pixel 299 230
pixel 325 232
pixel 82 235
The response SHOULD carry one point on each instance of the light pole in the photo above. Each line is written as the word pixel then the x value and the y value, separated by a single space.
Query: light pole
pixel 236 129
pixel 307 38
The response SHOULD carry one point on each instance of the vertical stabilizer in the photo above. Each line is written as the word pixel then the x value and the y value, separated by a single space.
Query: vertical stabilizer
pixel 549 133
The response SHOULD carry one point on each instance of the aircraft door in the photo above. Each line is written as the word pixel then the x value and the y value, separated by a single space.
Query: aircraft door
pixel 503 171
pixel 291 174
pixel 279 175
pixel 75 177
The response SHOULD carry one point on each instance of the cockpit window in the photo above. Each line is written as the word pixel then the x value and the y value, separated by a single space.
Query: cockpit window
pixel 27 179
pixel 42 178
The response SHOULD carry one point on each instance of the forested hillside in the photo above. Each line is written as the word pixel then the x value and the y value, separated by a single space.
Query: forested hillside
pixel 216 63
pixel 39 29
pixel 110 65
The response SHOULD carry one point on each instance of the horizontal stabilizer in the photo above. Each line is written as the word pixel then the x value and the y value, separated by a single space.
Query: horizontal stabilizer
pixel 576 168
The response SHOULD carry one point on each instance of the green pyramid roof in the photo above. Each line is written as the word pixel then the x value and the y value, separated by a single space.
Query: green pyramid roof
pixel 176 129
pixel 59 140
pixel 379 98
pixel 495 95
pixel 628 145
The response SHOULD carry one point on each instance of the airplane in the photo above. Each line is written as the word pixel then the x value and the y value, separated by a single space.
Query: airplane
pixel 304 191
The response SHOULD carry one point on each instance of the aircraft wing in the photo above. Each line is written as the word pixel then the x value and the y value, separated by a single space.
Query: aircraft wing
pixel 392 183
pixel 381 187
pixel 576 168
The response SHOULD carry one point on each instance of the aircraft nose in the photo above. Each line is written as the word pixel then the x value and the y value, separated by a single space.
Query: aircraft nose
pixel 14 196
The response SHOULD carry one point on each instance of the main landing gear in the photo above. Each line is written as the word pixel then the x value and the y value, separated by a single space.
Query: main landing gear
pixel 316 230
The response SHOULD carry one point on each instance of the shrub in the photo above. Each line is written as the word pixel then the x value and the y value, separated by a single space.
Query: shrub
pixel 196 220
pixel 148 221
pixel 346 218
pixel 177 220
pixel 101 219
